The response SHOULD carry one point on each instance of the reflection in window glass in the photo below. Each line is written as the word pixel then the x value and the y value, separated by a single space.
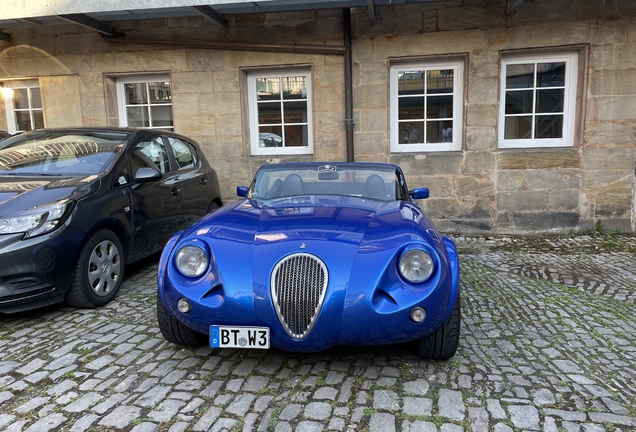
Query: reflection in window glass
pixel 183 153
pixel 24 107
pixel 533 89
pixel 425 101
pixel 147 104
pixel 150 154
pixel 282 109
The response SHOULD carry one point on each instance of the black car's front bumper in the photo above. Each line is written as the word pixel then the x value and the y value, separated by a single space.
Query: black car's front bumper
pixel 37 272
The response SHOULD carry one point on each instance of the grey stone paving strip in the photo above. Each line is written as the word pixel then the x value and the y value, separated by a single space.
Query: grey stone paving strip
pixel 548 344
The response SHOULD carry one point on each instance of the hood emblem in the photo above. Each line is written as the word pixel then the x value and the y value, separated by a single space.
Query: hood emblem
pixel 303 245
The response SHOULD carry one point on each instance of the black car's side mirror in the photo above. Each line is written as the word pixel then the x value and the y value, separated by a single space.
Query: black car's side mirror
pixel 144 175
pixel 419 193
pixel 241 191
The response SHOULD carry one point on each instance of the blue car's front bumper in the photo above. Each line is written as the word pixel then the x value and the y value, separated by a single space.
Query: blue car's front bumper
pixel 366 302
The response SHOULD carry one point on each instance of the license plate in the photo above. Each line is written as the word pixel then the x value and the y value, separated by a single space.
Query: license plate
pixel 239 337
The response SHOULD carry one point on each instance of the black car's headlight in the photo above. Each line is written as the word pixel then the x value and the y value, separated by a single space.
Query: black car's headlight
pixel 416 265
pixel 191 261
pixel 35 221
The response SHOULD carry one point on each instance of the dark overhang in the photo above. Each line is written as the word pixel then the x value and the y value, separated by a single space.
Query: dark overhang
pixel 98 14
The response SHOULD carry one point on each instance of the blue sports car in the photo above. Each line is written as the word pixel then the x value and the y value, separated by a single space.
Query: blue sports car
pixel 315 255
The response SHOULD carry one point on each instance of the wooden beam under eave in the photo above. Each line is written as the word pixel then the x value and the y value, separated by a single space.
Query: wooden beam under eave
pixel 5 36
pixel 513 5
pixel 210 14
pixel 89 22
pixel 371 7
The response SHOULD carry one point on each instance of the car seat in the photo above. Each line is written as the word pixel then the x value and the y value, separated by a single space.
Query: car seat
pixel 375 188
pixel 293 185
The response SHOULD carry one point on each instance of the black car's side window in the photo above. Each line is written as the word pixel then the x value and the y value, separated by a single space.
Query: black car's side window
pixel 184 153
pixel 150 154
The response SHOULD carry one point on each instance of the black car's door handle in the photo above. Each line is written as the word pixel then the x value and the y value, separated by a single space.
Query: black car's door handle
pixel 175 191
pixel 204 181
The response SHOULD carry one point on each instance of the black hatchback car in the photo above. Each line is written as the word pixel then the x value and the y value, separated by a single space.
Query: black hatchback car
pixel 77 205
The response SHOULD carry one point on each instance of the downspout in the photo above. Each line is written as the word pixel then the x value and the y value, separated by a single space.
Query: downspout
pixel 348 61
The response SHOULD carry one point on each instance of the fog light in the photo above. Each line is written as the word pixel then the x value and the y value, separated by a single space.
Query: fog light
pixel 418 314
pixel 184 306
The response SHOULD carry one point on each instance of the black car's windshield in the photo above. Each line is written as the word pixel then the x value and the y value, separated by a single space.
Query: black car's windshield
pixel 59 153
pixel 375 181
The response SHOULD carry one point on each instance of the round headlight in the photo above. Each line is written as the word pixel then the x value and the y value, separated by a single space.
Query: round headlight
pixel 416 265
pixel 191 261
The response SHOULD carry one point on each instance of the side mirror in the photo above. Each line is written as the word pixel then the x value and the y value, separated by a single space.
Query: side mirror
pixel 241 191
pixel 419 193
pixel 144 175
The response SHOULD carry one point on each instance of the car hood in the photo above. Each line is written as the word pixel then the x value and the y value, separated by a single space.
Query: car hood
pixel 349 220
pixel 18 193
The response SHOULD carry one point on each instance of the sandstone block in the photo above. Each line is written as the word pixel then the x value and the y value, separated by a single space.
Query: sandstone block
pixel 531 159
pixel 552 179
pixel 478 163
pixel 524 200
pixel 475 187
pixel 428 164
pixel 510 179
pixel 609 159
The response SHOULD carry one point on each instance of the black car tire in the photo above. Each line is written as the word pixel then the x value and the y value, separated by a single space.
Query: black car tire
pixel 213 206
pixel 442 343
pixel 99 273
pixel 175 332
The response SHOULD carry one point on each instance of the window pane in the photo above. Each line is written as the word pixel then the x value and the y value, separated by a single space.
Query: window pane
pixel 439 107
pixel 270 136
pixel 36 98
pixel 160 92
pixel 551 74
pixel 410 83
pixel 269 113
pixel 22 121
pixel 161 116
pixel 519 76
pixel 137 116
pixel 21 99
pixel 549 127
pixel 412 132
pixel 150 154
pixel 439 81
pixel 268 89
pixel 294 87
pixel 296 136
pixel 550 101
pixel 38 118
pixel 135 93
pixel 410 108
pixel 519 102
pixel 518 127
pixel 182 153
pixel 295 112
pixel 447 131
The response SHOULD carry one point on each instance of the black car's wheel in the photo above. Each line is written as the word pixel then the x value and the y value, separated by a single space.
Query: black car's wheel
pixel 213 206
pixel 442 343
pixel 99 273
pixel 175 332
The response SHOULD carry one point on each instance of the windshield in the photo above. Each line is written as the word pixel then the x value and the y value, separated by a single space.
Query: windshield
pixel 59 153
pixel 373 181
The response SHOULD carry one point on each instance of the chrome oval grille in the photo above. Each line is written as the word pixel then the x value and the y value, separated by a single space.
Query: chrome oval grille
pixel 298 287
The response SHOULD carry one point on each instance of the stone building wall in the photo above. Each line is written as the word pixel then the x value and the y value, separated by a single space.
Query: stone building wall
pixel 479 187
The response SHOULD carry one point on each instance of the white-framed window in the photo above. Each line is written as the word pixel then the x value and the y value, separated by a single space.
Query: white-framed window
pixel 23 102
pixel 280 113
pixel 538 100
pixel 427 105
pixel 145 101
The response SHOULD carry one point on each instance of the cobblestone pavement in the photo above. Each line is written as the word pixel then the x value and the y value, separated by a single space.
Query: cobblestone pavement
pixel 548 343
